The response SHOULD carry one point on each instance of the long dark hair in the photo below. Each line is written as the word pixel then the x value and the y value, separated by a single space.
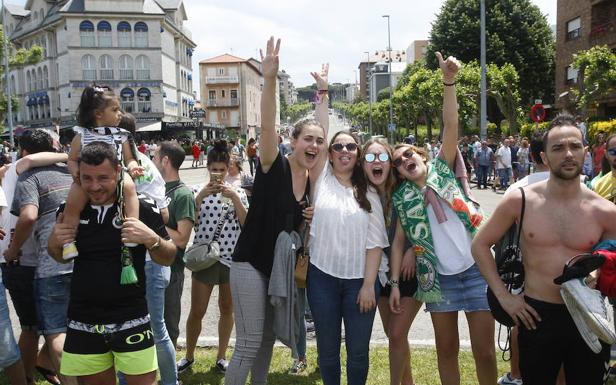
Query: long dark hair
pixel 94 98
pixel 358 179
pixel 390 182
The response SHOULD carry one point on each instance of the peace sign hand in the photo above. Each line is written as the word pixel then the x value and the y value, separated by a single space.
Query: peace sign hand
pixel 269 62
pixel 321 78
pixel 449 67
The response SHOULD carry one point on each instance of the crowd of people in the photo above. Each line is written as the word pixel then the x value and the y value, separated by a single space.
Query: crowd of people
pixel 95 256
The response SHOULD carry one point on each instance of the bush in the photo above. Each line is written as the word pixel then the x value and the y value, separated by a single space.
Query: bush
pixel 527 129
pixel 595 128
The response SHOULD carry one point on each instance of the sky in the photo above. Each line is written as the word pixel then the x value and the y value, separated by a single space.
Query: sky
pixel 312 31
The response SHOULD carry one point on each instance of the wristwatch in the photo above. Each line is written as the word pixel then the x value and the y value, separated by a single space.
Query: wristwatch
pixel 393 283
pixel 156 244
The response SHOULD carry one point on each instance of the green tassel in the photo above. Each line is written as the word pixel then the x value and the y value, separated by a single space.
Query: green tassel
pixel 129 275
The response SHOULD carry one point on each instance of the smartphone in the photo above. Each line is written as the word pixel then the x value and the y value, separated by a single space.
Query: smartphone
pixel 216 177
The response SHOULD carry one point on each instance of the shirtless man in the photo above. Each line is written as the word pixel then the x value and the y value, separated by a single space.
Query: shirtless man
pixel 562 219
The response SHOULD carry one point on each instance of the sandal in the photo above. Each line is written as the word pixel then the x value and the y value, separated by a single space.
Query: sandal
pixel 49 375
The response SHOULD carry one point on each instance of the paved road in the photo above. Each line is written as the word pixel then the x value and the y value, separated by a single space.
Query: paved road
pixel 421 332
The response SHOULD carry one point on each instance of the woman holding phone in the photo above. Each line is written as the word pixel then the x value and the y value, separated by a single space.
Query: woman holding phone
pixel 220 205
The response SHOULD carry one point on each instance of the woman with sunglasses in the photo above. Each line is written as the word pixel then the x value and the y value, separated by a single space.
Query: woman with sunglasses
pixel 437 215
pixel 279 192
pixel 347 238
pixel 378 170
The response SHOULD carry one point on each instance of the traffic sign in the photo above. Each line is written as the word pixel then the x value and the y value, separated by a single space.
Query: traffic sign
pixel 537 113
pixel 194 114
pixel 391 127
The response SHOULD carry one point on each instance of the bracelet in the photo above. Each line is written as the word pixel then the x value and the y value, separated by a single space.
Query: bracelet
pixel 393 283
pixel 449 84
pixel 322 91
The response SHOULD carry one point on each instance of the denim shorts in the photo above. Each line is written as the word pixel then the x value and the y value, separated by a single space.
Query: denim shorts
pixel 465 291
pixel 9 352
pixel 19 281
pixel 52 297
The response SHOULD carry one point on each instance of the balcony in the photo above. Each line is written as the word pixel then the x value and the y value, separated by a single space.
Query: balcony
pixel 126 74
pixel 89 74
pixel 222 79
pixel 233 102
pixel 604 33
pixel 143 74
pixel 106 74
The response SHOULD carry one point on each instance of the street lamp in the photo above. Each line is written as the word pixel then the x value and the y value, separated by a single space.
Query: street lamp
pixel 483 128
pixel 391 91
pixel 369 80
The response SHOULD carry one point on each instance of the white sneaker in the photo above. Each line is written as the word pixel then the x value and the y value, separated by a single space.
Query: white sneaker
pixel 506 379
pixel 222 365
pixel 184 365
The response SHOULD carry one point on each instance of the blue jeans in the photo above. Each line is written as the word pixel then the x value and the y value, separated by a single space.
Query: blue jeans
pixel 333 300
pixel 9 352
pixel 482 175
pixel 52 295
pixel 505 175
pixel 157 278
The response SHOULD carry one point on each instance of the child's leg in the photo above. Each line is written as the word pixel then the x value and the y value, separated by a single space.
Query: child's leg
pixel 131 202
pixel 75 203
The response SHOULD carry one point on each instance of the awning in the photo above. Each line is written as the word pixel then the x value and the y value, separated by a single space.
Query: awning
pixel 149 126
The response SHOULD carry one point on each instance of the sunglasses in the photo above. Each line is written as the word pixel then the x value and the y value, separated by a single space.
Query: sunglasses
pixel 612 151
pixel 408 154
pixel 350 147
pixel 383 157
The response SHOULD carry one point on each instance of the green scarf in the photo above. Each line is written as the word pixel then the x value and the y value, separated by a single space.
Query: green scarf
pixel 411 208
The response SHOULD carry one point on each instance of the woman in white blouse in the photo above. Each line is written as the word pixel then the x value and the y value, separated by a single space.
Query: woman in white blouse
pixel 347 238
pixel 215 199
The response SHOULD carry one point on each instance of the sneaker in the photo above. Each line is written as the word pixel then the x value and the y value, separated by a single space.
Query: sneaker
pixel 506 379
pixel 184 365
pixel 222 365
pixel 298 367
pixel 69 251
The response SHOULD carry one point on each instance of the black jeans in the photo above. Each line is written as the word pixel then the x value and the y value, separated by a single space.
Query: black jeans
pixel 252 161
pixel 556 342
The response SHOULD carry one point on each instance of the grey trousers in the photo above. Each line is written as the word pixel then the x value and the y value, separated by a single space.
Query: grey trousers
pixel 254 336
pixel 173 304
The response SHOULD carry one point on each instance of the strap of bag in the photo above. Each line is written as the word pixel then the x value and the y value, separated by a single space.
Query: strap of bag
pixel 168 193
pixel 517 242
pixel 221 221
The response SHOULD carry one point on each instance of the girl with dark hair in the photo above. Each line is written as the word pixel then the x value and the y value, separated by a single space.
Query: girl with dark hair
pixel 378 169
pixel 438 215
pixel 98 116
pixel 221 204
pixel 347 239
pixel 278 204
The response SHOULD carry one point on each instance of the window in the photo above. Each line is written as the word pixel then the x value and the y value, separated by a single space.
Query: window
pixel 143 67
pixel 46 77
pixel 28 79
pixel 572 75
pixel 574 28
pixel 88 66
pixel 13 89
pixel 41 83
pixel 104 34
pixel 33 85
pixel 213 116
pixel 220 71
pixel 127 97
pixel 141 34
pixel 143 100
pixel 86 31
pixel 212 95
pixel 106 67
pixel 44 46
pixel 223 114
pixel 124 37
pixel 126 67
pixel 234 101
pixel 222 93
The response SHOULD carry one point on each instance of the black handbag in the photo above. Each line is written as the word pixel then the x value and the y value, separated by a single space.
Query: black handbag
pixel 508 258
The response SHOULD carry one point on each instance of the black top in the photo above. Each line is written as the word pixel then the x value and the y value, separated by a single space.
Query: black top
pixel 514 153
pixel 97 297
pixel 272 210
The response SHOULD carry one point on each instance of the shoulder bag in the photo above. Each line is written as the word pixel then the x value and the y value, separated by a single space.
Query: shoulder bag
pixel 201 256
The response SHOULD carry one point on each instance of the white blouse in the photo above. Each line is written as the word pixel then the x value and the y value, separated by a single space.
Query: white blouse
pixel 209 215
pixel 341 231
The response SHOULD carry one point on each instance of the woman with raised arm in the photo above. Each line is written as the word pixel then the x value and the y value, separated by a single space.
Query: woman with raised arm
pixel 279 194
pixel 439 217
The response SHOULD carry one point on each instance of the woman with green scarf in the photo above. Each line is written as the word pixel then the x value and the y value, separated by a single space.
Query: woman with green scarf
pixel 439 217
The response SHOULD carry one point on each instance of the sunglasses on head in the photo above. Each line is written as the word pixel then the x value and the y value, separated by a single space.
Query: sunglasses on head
pixel 350 147
pixel 612 151
pixel 408 154
pixel 382 157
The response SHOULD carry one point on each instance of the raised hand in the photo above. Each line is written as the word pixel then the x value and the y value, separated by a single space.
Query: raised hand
pixel 321 78
pixel 269 62
pixel 449 67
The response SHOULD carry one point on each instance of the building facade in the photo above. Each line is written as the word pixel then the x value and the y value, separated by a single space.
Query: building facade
pixel 287 88
pixel 140 48
pixel 366 67
pixel 581 25
pixel 417 51
pixel 379 78
pixel 231 94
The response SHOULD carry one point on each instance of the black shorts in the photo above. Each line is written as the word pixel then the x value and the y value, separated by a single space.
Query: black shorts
pixel 407 288
pixel 556 342
pixel 19 281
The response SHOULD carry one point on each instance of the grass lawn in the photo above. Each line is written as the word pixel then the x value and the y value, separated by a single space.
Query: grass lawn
pixel 423 359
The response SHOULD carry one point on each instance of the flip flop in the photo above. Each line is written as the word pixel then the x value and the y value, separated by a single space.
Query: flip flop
pixel 49 375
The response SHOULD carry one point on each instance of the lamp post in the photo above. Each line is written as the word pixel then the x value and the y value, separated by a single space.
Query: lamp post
pixel 369 80
pixel 5 50
pixel 391 91
pixel 483 128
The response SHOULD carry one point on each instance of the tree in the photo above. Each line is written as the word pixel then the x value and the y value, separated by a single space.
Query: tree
pixel 517 33
pixel 424 92
pixel 503 87
pixel 383 94
pixel 17 58
pixel 596 76
pixel 298 110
